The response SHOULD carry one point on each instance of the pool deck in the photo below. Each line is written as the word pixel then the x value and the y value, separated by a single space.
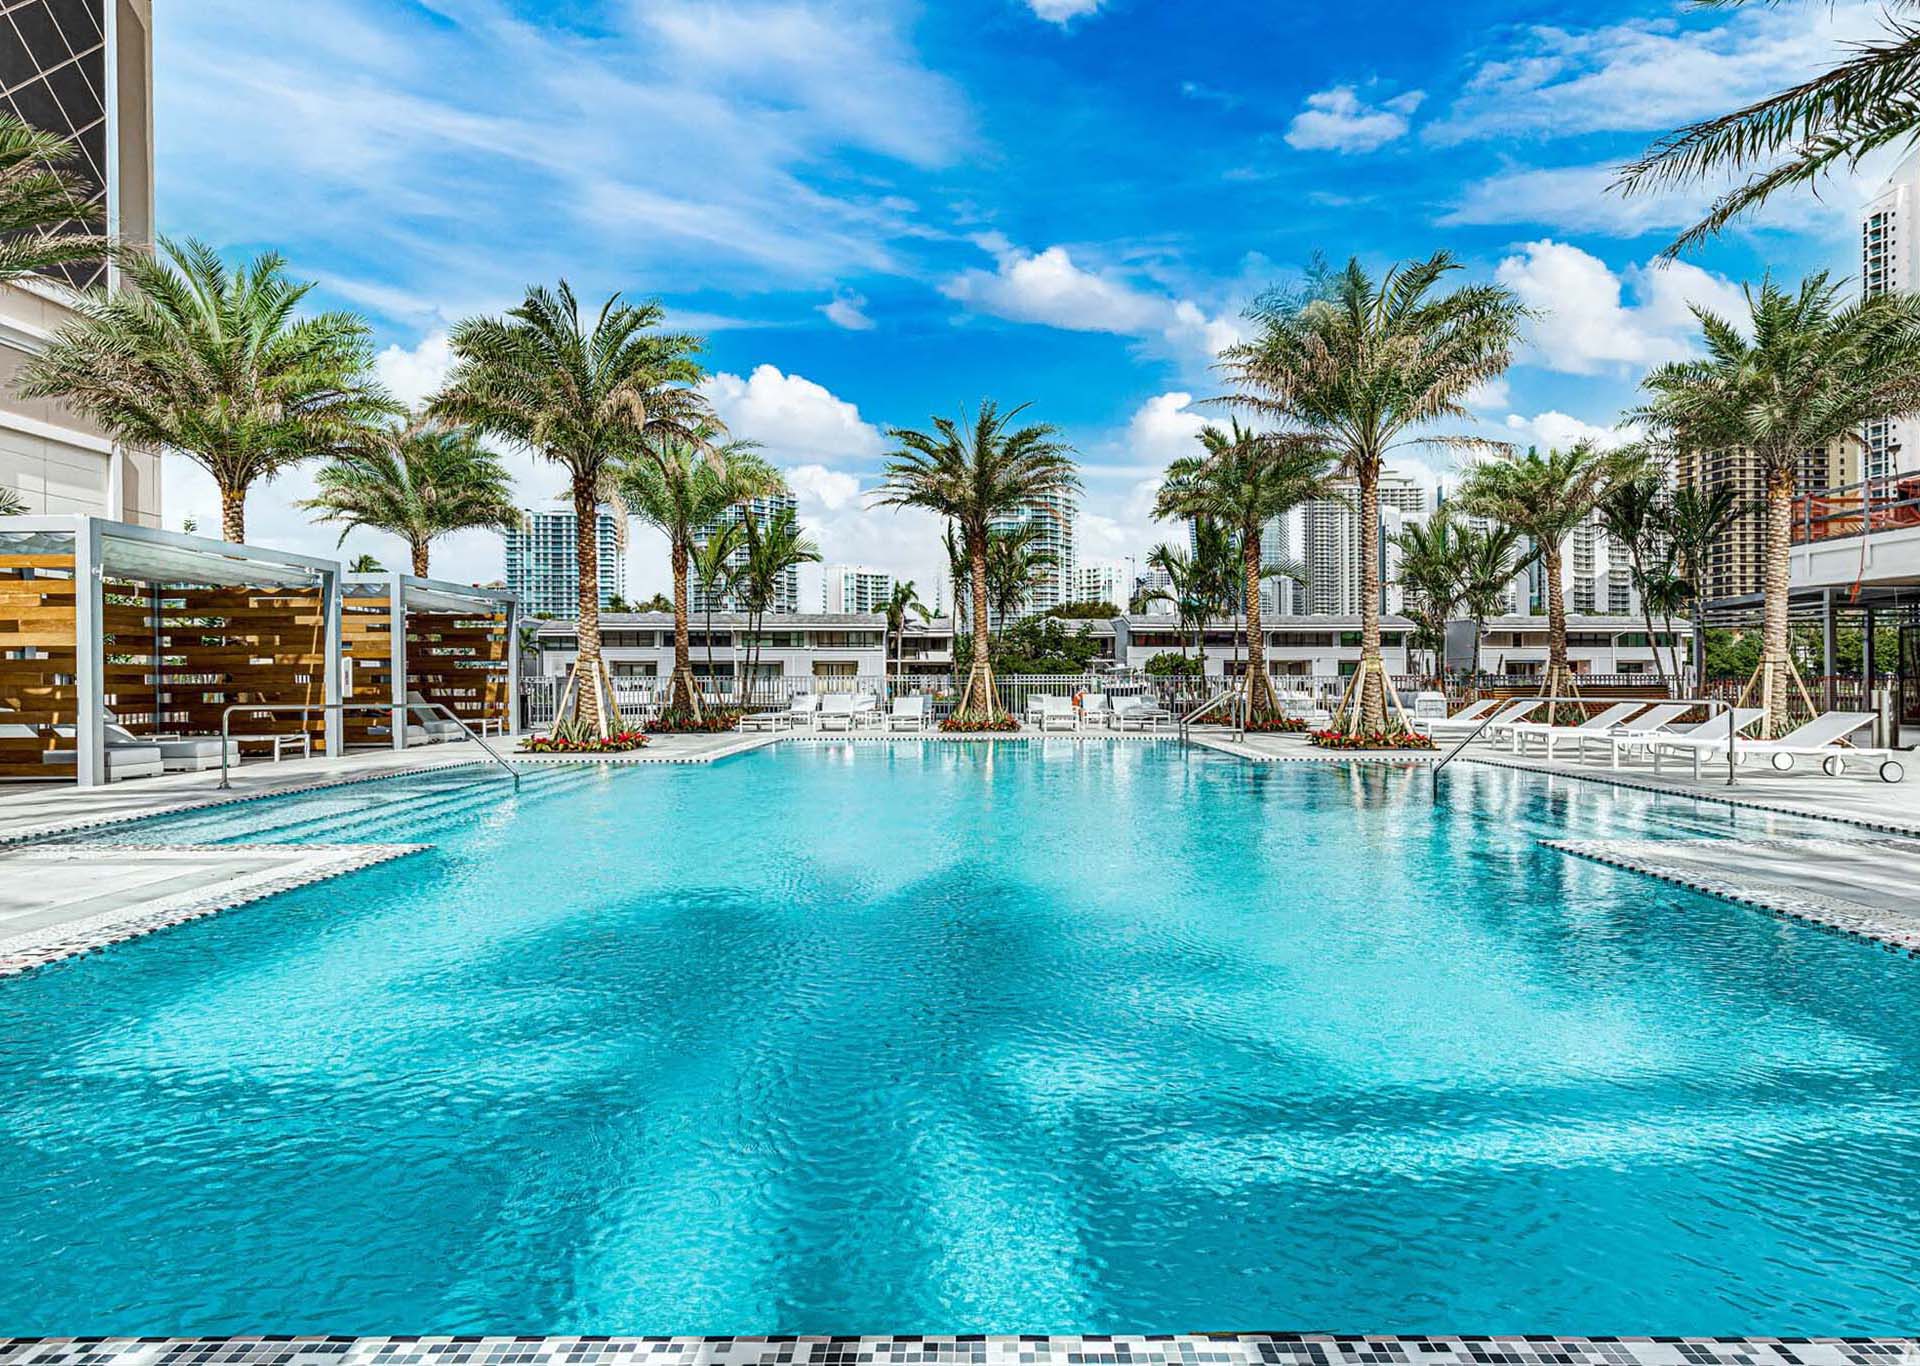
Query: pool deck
pixel 85 897
pixel 1240 1349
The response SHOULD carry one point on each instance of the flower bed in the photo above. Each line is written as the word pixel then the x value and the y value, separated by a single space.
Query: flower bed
pixel 1372 740
pixel 686 723
pixel 1276 725
pixel 620 742
pixel 999 725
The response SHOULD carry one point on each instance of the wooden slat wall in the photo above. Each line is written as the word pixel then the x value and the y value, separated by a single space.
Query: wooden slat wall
pixel 459 659
pixel 38 659
pixel 212 647
pixel 366 638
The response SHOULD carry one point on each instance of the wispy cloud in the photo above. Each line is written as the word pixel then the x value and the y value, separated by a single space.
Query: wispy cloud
pixel 1339 120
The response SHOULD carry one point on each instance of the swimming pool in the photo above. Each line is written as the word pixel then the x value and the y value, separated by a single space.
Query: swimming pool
pixel 1043 1037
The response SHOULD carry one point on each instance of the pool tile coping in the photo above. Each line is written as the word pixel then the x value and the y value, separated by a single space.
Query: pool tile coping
pixel 312 863
pixel 1236 1349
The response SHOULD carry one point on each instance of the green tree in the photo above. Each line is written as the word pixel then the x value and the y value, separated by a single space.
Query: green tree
pixel 584 397
pixel 1243 481
pixel 1367 365
pixel 42 202
pixel 1633 511
pixel 713 571
pixel 1696 520
pixel 904 599
pixel 1816 369
pixel 679 484
pixel 1433 577
pixel 420 481
pixel 1190 590
pixel 1546 497
pixel 213 365
pixel 971 472
pixel 1490 561
pixel 1797 136
pixel 1016 566
pixel 772 550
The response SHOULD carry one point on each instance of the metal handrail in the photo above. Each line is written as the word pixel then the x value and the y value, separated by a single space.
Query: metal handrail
pixel 1713 705
pixel 399 723
pixel 1205 707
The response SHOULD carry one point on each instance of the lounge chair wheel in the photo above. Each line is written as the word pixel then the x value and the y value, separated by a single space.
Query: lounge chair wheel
pixel 1833 765
pixel 1782 762
pixel 1892 771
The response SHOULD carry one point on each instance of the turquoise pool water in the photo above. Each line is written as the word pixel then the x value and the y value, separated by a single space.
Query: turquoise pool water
pixel 1050 1037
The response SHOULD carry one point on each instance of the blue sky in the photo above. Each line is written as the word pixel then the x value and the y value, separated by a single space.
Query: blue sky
pixel 878 211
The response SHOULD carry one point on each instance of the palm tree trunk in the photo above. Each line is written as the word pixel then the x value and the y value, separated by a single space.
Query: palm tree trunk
pixel 586 544
pixel 422 554
pixel 233 514
pixel 1559 672
pixel 1775 676
pixel 1372 703
pixel 979 703
pixel 1261 699
pixel 682 695
pixel 1653 643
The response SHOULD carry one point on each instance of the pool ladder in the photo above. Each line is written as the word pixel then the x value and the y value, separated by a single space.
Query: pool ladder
pixel 397 709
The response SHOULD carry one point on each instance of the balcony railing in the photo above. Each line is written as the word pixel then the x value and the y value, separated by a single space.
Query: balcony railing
pixel 1888 503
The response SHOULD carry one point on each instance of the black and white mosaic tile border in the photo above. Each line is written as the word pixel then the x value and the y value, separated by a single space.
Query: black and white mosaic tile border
pixel 304 865
pixel 1725 796
pixel 1244 1349
pixel 1009 737
pixel 1833 914
pixel 650 755
pixel 33 834
pixel 1396 758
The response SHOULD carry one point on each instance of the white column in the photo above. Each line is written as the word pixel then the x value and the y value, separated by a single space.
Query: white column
pixel 89 597
pixel 332 590
pixel 397 656
pixel 513 667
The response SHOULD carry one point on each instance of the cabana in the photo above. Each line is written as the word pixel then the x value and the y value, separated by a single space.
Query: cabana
pixel 457 649
pixel 104 625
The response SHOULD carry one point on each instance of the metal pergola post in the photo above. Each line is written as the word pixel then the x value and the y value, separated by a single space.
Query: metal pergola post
pixel 90 656
pixel 332 596
pixel 397 655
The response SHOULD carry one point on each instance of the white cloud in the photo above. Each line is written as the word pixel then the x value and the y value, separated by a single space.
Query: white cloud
pixel 1646 74
pixel 848 311
pixel 796 420
pixel 412 375
pixel 1581 199
pixel 1489 395
pixel 1338 120
pixel 1587 325
pixel 1554 430
pixel 1165 428
pixel 1049 288
pixel 1063 11
pixel 816 486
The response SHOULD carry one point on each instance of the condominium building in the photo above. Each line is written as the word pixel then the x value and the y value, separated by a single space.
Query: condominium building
pixel 1736 567
pixel 1596 570
pixel 82 69
pixel 1100 580
pixel 543 561
pixel 786 597
pixel 856 588
pixel 818 645
pixel 1333 543
pixel 1054 519
pixel 1890 260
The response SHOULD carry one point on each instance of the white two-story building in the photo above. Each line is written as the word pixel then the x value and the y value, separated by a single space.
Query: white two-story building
pixel 1309 646
pixel 793 645
pixel 1516 646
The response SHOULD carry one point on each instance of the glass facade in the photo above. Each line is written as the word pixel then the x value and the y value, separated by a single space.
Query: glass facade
pixel 53 75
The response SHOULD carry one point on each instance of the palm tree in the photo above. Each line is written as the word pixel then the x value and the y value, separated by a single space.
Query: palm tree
pixel 1433 576
pixel 971 472
pixel 1795 137
pixel 1490 561
pixel 1015 568
pixel 41 203
pixel 680 484
pixel 714 571
pixel 1244 481
pixel 11 503
pixel 1697 520
pixel 1632 513
pixel 1545 498
pixel 1816 369
pixel 1188 592
pixel 365 564
pixel 421 481
pixel 583 397
pixel 210 363
pixel 772 550
pixel 902 600
pixel 1366 365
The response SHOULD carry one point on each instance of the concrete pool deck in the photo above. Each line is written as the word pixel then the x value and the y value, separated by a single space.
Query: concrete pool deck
pixel 83 898
pixel 1238 1349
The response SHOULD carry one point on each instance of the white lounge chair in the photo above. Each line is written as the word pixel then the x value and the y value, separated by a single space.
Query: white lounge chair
pixel 428 726
pixel 799 710
pixel 866 710
pixel 1654 720
pixel 1523 731
pixel 1517 710
pixel 1058 713
pixel 837 712
pixel 908 714
pixel 1096 709
pixel 1624 742
pixel 178 753
pixel 125 759
pixel 1824 738
pixel 1463 720
pixel 1144 715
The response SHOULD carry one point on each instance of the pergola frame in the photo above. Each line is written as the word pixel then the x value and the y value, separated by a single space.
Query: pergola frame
pixel 104 549
pixel 407 594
